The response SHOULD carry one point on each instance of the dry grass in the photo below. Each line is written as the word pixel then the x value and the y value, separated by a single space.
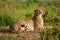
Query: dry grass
pixel 4 33
pixel 50 33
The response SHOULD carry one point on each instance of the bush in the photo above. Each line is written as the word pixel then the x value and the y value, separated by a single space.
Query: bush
pixel 6 20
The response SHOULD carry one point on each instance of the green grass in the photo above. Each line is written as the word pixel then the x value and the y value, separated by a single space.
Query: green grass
pixel 51 33
pixel 51 14
pixel 11 11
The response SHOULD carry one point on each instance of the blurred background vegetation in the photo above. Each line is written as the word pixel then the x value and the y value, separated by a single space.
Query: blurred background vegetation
pixel 12 10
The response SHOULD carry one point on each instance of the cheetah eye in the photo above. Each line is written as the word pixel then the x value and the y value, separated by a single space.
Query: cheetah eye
pixel 22 25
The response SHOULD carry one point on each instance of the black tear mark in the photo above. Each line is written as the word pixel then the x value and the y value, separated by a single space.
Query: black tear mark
pixel 22 25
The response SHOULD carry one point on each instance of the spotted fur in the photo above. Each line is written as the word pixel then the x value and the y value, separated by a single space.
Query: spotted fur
pixel 28 25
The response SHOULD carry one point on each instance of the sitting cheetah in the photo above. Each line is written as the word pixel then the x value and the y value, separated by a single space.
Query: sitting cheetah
pixel 28 25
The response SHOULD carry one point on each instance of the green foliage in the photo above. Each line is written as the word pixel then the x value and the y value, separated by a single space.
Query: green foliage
pixel 49 15
pixel 11 11
pixel 6 20
pixel 50 33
